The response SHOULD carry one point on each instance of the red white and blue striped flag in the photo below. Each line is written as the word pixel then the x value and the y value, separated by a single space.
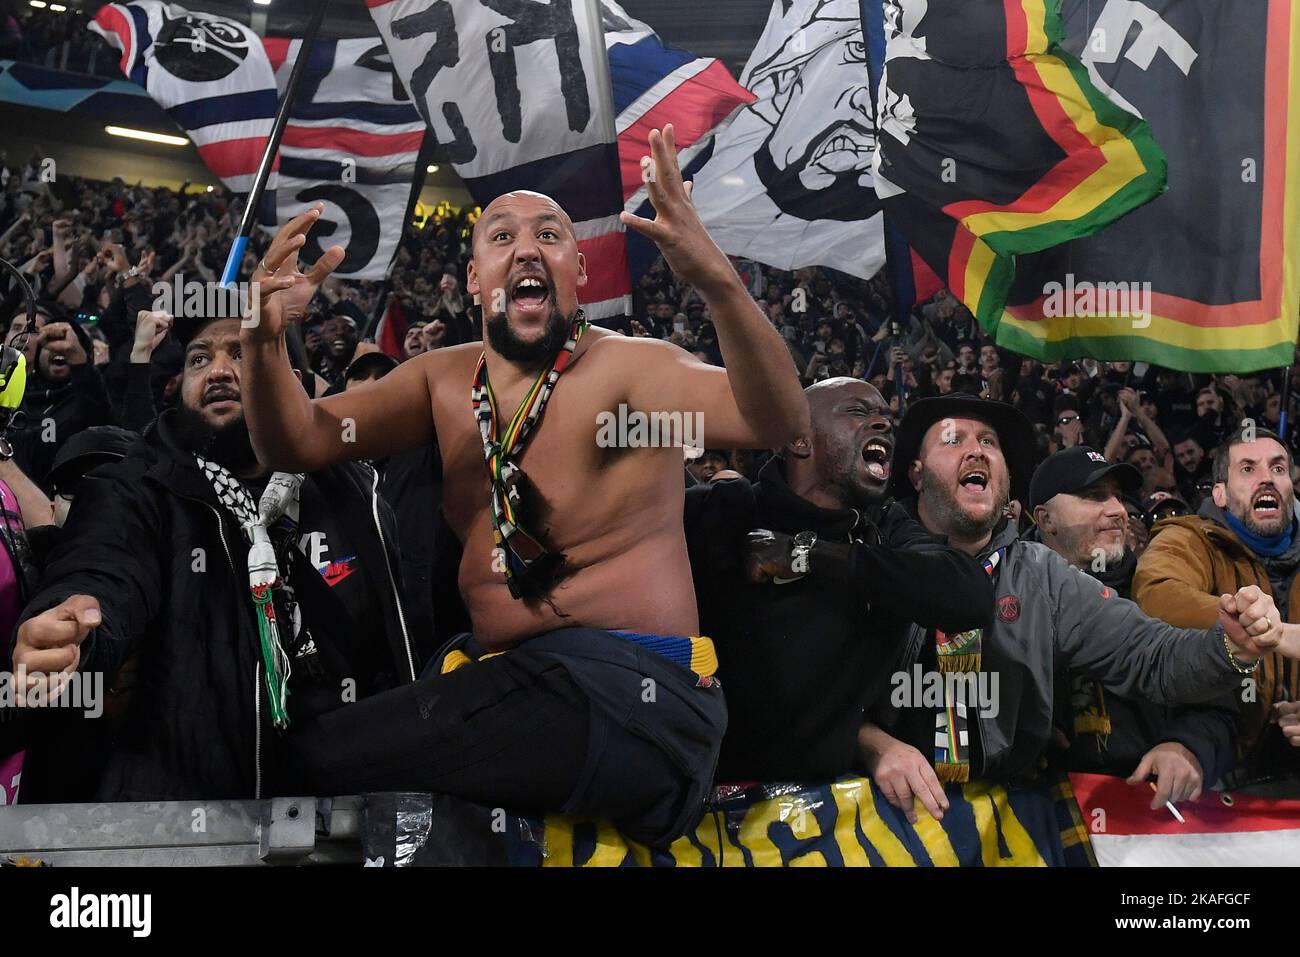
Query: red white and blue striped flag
pixel 352 141
pixel 212 76
pixel 655 84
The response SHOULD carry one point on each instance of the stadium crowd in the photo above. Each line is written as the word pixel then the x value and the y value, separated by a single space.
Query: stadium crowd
pixel 1167 488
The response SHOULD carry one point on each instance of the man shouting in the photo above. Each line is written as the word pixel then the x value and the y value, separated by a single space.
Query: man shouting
pixel 575 561
pixel 957 462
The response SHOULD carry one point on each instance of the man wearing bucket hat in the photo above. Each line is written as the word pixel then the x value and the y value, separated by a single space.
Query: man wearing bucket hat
pixel 957 461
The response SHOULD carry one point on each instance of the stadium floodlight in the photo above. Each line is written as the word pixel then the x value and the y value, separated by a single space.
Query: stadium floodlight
pixel 58 8
pixel 39 4
pixel 147 135
pixel 433 168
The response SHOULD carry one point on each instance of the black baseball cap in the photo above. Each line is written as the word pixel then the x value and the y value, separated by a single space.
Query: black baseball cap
pixel 1158 502
pixel 1073 470
pixel 186 328
pixel 368 364
pixel 88 449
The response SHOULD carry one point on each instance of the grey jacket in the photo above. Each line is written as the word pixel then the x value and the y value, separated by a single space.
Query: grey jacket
pixel 1051 617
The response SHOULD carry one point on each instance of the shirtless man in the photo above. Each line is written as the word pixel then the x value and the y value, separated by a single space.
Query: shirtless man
pixel 604 704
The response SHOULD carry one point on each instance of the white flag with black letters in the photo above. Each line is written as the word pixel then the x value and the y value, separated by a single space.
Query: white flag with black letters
pixel 517 95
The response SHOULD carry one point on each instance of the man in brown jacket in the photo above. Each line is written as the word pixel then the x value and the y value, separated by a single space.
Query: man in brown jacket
pixel 1245 534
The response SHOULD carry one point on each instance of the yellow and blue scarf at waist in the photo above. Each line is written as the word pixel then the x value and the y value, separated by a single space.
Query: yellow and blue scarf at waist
pixel 694 653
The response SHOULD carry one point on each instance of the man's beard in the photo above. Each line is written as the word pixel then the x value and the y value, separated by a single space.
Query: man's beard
pixel 229 446
pixel 955 521
pixel 513 349
pixel 1084 553
pixel 1244 513
pixel 843 474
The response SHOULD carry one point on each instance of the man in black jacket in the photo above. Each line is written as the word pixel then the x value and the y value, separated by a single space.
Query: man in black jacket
pixel 154 564
pixel 806 581
pixel 65 394
pixel 1075 500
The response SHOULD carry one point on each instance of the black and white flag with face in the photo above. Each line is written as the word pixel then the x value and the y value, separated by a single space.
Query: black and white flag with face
pixel 517 93
pixel 790 183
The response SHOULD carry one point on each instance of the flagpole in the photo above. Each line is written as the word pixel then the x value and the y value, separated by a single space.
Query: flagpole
pixel 604 84
pixel 1284 415
pixel 231 271
pixel 423 157
pixel 898 257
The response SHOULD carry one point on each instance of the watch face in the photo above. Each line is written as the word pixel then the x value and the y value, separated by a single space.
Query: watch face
pixel 806 539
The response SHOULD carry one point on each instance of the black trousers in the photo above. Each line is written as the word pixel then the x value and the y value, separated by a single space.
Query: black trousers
pixel 510 731
pixel 537 729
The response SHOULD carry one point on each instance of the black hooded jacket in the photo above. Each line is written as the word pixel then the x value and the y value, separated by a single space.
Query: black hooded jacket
pixel 52 414
pixel 799 662
pixel 148 538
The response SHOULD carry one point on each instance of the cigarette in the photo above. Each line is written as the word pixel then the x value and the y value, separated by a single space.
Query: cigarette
pixel 1169 804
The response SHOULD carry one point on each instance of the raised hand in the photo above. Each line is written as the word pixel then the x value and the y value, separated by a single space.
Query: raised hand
pixel 59 339
pixel 283 290
pixel 676 229
pixel 150 330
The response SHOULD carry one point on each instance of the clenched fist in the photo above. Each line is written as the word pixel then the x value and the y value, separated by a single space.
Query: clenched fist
pixel 1251 621
pixel 767 556
pixel 50 643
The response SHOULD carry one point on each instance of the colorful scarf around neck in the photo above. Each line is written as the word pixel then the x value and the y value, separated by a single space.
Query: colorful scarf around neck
pixel 530 567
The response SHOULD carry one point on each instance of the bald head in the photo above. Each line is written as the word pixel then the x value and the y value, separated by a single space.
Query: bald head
pixel 845 461
pixel 824 394
pixel 521 203
pixel 526 270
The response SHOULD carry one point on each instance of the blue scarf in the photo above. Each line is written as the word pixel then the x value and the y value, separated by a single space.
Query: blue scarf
pixel 1268 547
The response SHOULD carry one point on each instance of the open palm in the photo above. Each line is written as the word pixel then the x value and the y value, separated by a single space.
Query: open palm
pixel 283 290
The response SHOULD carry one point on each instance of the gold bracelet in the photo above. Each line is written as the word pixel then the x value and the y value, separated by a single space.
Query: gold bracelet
pixel 1232 659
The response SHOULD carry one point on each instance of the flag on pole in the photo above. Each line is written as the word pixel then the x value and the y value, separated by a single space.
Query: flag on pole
pixel 210 74
pixel 390 335
pixel 995 142
pixel 352 140
pixel 790 180
pixel 1217 830
pixel 1213 261
pixel 655 84
pixel 518 96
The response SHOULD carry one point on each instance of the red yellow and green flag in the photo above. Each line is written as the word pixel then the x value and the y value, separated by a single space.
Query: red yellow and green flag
pixel 1018 155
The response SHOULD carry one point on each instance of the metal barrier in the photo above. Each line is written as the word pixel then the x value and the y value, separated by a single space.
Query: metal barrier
pixel 293 831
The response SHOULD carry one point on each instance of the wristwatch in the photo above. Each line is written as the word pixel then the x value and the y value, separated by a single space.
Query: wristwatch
pixel 801 552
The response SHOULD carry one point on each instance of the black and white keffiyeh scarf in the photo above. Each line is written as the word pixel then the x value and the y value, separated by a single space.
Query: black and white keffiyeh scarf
pixel 269 526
